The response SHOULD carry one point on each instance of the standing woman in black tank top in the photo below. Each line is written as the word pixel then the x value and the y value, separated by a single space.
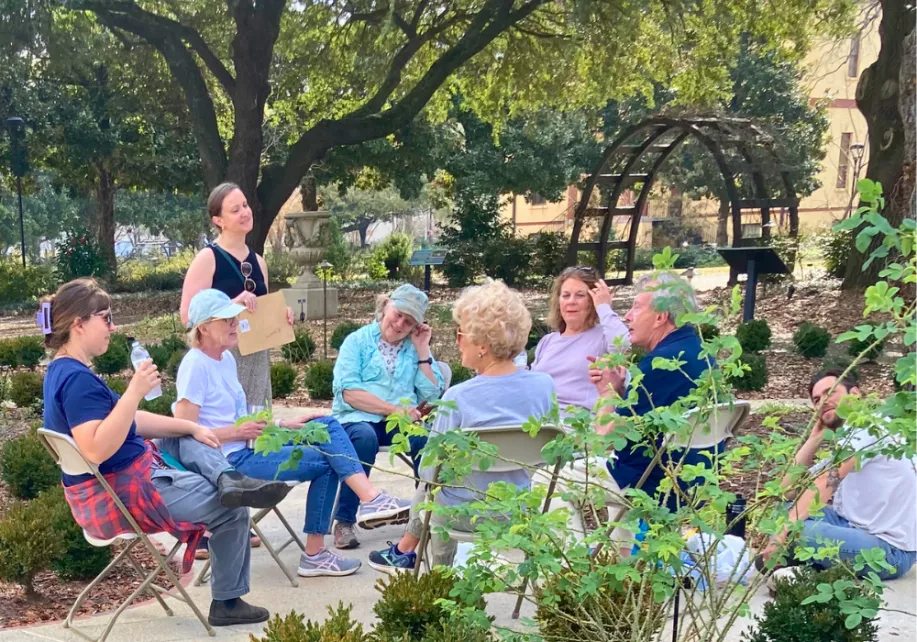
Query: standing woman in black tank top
pixel 231 267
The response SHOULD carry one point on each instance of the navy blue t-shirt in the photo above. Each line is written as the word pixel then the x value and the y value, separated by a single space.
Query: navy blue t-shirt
pixel 665 387
pixel 74 394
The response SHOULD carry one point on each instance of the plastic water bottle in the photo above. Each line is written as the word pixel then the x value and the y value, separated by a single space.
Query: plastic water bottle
pixel 138 356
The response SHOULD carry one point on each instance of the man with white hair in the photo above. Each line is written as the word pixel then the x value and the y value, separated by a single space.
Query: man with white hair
pixel 661 297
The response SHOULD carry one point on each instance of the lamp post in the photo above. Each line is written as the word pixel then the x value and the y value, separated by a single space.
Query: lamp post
pixel 19 165
pixel 324 266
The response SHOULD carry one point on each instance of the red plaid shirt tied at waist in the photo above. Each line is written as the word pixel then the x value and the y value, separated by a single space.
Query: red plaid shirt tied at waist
pixel 98 514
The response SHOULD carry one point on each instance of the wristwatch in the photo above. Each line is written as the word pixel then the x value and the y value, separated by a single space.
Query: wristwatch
pixel 430 361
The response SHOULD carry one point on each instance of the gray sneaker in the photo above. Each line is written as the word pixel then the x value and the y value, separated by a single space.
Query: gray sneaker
pixel 383 510
pixel 326 563
pixel 344 537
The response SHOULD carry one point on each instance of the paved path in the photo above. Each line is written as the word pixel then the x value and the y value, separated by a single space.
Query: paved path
pixel 148 623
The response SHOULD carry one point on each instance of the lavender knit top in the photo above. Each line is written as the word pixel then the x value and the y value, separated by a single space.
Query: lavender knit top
pixel 564 358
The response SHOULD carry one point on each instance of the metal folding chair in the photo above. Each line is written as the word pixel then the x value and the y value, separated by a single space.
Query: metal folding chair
pixel 513 445
pixel 72 461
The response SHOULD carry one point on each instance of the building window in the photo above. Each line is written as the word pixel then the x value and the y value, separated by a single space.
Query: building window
pixel 853 60
pixel 538 199
pixel 843 161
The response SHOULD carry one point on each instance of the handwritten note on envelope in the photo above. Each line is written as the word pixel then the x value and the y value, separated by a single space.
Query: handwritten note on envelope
pixel 266 327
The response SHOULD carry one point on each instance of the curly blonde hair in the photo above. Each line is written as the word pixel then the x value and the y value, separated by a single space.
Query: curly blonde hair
pixel 495 316
pixel 587 275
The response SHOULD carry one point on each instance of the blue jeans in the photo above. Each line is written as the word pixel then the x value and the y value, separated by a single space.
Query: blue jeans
pixel 852 540
pixel 366 439
pixel 324 465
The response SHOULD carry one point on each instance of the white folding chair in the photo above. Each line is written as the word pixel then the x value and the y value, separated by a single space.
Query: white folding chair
pixel 513 445
pixel 72 461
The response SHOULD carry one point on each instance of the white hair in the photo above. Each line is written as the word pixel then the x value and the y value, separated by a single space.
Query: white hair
pixel 668 293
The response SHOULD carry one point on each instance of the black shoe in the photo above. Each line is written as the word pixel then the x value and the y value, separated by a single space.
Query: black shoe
pixel 241 613
pixel 238 490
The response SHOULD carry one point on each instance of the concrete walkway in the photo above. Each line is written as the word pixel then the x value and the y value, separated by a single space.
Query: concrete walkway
pixel 148 623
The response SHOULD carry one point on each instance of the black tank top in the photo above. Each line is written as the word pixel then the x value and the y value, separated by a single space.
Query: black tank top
pixel 227 273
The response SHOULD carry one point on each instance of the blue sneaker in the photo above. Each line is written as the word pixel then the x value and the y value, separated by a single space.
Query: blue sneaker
pixel 391 561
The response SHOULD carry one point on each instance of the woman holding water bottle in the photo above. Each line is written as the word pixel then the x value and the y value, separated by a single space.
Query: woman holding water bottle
pixel 230 266
pixel 111 432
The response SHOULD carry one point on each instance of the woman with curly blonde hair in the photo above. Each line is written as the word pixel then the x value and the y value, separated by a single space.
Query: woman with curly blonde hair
pixel 493 325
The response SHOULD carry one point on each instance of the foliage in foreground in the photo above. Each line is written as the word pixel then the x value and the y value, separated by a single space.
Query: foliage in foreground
pixel 26 467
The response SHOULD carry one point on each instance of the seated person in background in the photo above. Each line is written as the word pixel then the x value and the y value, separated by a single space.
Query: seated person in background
pixel 210 394
pixel 655 330
pixel 110 432
pixel 493 325
pixel 377 367
pixel 873 507
pixel 585 326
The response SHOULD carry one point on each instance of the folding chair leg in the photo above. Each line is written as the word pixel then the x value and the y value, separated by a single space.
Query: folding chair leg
pixel 270 549
pixel 293 534
pixel 156 593
pixel 204 575
pixel 101 576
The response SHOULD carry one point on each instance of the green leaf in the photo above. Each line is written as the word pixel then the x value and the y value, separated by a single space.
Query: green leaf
pixel 853 620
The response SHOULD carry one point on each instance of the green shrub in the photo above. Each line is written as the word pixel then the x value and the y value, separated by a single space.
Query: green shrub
pixel 549 254
pixel 565 611
pixel 855 347
pixel 161 352
pixel 539 329
pixel 811 340
pixel 80 560
pixel 338 627
pixel 161 405
pixel 26 467
pixel 459 372
pixel 508 258
pixel 787 618
pixel 756 378
pixel 408 609
pixel 754 335
pixel 26 389
pixel 78 255
pixel 28 542
pixel 319 380
pixel 708 331
pixel 9 353
pixel 174 362
pixel 30 350
pixel 301 349
pixel 394 253
pixel 118 385
pixel 637 353
pixel 342 332
pixel 283 379
pixel 116 358
pixel 337 250
pixel 281 268
pixel 835 248
pixel 23 284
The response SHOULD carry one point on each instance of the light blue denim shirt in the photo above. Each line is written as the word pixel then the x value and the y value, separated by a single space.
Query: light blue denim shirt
pixel 359 366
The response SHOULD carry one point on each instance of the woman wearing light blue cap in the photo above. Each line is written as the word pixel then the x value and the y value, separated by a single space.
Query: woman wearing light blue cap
pixel 378 367
pixel 209 393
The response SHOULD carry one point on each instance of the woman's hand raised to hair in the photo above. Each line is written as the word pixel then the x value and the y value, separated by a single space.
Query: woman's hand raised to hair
pixel 248 299
pixel 145 379
pixel 601 294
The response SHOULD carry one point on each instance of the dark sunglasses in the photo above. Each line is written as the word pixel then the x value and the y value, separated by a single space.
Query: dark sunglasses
pixel 248 283
pixel 106 316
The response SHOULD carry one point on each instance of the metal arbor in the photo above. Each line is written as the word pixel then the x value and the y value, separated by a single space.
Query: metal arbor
pixel 755 180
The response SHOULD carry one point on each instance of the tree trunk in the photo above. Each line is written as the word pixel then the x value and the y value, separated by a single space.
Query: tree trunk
pixel 907 105
pixel 105 197
pixel 309 192
pixel 890 162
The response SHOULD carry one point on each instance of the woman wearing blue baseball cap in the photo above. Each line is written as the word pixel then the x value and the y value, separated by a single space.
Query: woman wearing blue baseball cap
pixel 378 367
pixel 209 394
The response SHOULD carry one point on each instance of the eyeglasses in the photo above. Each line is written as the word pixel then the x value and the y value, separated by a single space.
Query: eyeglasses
pixel 248 284
pixel 459 334
pixel 106 316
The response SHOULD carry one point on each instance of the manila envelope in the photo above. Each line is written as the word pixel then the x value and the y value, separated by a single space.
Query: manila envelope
pixel 266 327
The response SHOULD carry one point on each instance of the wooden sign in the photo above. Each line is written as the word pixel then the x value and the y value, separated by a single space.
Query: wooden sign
pixel 266 327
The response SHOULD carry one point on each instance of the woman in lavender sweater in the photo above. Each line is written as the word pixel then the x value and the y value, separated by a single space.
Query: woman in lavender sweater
pixel 585 326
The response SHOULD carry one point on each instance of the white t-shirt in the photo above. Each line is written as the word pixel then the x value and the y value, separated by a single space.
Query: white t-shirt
pixel 879 498
pixel 214 387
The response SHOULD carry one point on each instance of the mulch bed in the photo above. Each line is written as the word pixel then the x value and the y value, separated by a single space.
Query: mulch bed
pixel 57 597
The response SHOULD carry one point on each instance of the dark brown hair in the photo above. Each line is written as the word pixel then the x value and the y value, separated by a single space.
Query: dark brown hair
pixel 217 196
pixel 587 275
pixel 77 299
pixel 849 381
